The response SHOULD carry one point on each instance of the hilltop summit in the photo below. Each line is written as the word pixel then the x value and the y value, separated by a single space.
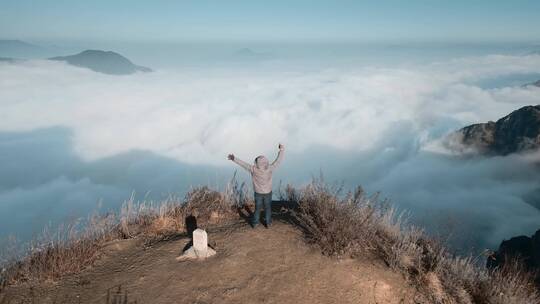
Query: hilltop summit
pixel 252 266
pixel 320 249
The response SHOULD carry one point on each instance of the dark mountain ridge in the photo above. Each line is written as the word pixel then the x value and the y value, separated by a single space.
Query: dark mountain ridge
pixel 522 248
pixel 106 62
pixel 7 59
pixel 21 49
pixel 249 55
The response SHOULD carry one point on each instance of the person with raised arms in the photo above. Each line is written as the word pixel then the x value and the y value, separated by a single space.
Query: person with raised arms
pixel 261 175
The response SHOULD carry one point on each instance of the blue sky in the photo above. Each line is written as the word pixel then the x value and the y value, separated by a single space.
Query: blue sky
pixel 133 20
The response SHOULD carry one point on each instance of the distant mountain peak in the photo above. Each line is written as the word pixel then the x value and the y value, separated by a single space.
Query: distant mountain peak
pixel 533 84
pixel 516 132
pixel 15 42
pixel 12 48
pixel 107 62
pixel 250 55
pixel 245 51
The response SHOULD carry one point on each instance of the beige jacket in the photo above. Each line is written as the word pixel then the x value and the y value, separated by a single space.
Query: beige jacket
pixel 261 171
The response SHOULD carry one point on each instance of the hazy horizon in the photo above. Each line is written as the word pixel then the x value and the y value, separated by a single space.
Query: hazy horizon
pixel 283 20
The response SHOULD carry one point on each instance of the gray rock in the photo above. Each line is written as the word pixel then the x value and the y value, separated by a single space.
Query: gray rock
pixel 518 131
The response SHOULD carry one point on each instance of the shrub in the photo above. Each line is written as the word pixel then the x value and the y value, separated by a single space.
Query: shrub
pixel 68 250
pixel 72 248
pixel 355 224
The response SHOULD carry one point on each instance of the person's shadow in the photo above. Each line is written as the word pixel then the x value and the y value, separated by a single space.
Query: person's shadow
pixel 191 225
pixel 245 213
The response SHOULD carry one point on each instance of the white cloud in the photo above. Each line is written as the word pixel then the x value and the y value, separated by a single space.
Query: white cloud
pixel 373 120
pixel 200 115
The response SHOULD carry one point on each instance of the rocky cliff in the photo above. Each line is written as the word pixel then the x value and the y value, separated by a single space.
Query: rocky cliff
pixel 518 131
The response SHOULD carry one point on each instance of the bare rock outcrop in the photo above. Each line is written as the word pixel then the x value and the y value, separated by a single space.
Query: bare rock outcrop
pixel 517 132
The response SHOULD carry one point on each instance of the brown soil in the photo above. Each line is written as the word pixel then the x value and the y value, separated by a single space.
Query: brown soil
pixel 251 266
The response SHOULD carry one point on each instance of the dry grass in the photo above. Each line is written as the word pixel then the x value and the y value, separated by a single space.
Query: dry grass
pixel 167 218
pixel 68 250
pixel 73 248
pixel 354 224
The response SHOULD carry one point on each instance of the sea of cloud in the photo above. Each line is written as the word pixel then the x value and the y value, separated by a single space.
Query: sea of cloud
pixel 70 137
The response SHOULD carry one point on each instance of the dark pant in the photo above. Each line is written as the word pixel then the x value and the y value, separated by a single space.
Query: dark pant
pixel 261 199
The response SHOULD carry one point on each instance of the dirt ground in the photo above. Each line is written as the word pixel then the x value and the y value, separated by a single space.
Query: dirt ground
pixel 251 266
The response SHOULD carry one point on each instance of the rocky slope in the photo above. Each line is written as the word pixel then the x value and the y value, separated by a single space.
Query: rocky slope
pixel 106 62
pixel 519 131
pixel 522 247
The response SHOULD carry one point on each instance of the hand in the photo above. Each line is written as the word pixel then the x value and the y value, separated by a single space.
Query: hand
pixel 231 157
pixel 281 147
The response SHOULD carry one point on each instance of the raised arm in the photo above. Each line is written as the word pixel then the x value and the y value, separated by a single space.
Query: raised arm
pixel 241 163
pixel 279 157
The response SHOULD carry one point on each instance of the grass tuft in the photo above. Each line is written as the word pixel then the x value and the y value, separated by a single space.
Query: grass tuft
pixel 355 224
